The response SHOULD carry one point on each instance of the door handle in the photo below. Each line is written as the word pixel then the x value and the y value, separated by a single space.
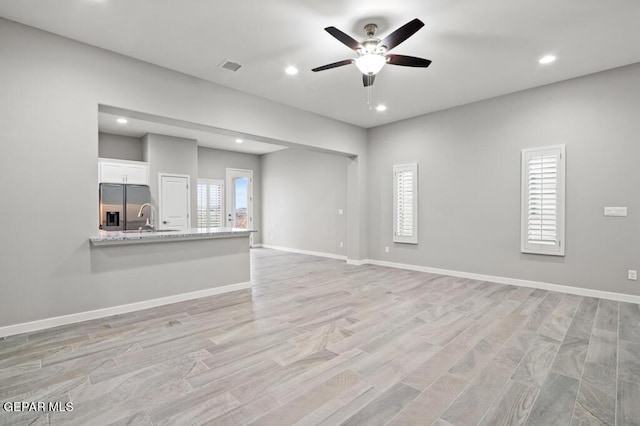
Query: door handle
pixel 164 222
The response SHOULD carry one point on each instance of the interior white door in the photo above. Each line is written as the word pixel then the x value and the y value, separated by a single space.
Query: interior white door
pixel 240 198
pixel 175 202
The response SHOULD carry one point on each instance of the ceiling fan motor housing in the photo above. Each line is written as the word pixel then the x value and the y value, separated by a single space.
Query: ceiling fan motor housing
pixel 372 46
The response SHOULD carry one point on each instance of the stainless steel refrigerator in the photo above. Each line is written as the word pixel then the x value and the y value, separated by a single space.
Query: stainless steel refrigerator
pixel 120 204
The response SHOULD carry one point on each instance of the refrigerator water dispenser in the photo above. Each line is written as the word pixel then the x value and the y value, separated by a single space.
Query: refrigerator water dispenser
pixel 113 219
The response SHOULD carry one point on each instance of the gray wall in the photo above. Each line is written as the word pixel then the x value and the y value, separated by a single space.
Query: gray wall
pixel 213 163
pixel 169 154
pixel 303 191
pixel 49 133
pixel 120 147
pixel 469 159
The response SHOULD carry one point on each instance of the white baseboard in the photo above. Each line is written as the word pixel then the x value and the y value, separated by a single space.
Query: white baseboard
pixel 619 297
pixel 258 245
pixel 309 252
pixel 28 327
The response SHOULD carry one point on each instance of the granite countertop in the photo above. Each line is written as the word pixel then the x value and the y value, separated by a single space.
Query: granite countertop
pixel 129 237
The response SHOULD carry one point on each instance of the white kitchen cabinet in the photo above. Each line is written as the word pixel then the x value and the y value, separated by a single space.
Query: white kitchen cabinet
pixel 137 173
pixel 121 171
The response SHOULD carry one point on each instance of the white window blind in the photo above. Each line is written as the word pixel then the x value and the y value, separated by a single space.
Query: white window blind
pixel 210 203
pixel 405 203
pixel 543 188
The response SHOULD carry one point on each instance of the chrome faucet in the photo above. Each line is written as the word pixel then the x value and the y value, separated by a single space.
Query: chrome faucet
pixel 149 223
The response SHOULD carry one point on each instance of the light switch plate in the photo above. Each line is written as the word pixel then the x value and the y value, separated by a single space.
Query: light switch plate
pixel 615 211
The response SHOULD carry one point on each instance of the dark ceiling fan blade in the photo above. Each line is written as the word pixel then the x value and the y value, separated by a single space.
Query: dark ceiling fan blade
pixel 407 61
pixel 402 33
pixel 368 80
pixel 334 65
pixel 344 38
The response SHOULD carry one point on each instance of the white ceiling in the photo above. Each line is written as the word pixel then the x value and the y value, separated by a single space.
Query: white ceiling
pixel 209 138
pixel 479 49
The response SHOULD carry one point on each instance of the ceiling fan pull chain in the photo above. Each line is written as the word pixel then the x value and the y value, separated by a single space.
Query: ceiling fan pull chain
pixel 369 98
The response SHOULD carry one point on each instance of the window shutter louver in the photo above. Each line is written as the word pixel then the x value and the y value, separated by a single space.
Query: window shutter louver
pixel 405 211
pixel 210 203
pixel 202 205
pixel 543 200
pixel 215 205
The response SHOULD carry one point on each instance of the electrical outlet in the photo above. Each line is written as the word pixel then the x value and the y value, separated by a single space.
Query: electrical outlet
pixel 340 211
pixel 386 249
pixel 615 211
pixel 632 275
pixel 341 244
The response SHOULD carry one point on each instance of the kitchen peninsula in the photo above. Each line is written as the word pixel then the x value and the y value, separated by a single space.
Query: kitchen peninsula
pixel 139 270
pixel 164 235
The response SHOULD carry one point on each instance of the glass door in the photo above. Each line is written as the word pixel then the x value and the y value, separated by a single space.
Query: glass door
pixel 240 198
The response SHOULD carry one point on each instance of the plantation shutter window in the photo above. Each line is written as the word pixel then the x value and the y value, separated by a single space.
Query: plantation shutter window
pixel 210 203
pixel 543 194
pixel 405 203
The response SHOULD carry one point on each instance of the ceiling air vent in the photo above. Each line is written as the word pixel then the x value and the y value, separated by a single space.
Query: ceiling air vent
pixel 230 65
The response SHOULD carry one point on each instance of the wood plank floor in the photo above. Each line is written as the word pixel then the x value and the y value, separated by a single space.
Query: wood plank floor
pixel 317 341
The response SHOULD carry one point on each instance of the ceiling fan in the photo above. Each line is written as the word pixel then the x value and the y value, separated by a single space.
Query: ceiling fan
pixel 372 52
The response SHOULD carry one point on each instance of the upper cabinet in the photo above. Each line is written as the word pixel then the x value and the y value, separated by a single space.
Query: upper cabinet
pixel 122 171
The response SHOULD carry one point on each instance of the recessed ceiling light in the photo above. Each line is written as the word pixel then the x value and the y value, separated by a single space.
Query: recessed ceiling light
pixel 547 59
pixel 239 140
pixel 291 70
pixel 122 120
pixel 381 108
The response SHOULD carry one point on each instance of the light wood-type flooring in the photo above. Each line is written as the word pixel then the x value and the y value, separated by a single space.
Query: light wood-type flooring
pixel 317 341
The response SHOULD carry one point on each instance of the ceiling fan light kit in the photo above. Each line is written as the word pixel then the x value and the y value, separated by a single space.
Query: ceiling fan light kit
pixel 372 53
pixel 370 64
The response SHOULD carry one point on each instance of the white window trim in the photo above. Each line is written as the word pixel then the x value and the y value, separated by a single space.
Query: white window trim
pixel 222 200
pixel 413 238
pixel 525 246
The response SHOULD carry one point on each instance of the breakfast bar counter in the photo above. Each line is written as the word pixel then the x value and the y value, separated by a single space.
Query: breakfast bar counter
pixel 164 235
